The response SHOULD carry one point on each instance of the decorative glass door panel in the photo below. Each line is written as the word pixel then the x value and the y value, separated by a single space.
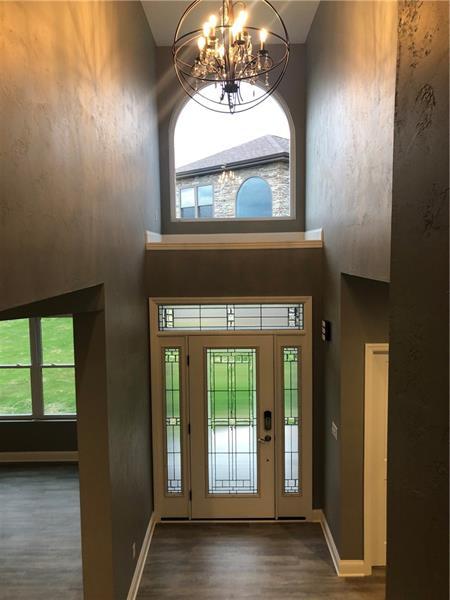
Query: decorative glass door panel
pixel 172 420
pixel 170 426
pixel 231 390
pixel 232 421
pixel 291 407
pixel 294 450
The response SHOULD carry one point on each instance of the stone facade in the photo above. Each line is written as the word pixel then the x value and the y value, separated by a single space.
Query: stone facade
pixel 276 174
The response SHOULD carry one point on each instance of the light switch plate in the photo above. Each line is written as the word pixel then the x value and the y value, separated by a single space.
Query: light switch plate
pixel 334 430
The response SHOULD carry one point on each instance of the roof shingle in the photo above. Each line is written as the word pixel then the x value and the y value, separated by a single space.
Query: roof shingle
pixel 264 146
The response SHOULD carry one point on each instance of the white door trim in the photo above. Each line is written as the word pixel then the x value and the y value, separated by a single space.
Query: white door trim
pixel 371 351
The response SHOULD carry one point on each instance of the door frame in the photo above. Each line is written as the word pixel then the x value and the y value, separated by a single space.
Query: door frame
pixel 370 443
pixel 305 342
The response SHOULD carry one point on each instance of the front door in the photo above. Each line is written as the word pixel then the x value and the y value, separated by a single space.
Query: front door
pixel 232 426
pixel 232 409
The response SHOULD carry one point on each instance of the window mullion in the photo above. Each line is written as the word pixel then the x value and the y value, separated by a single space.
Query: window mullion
pixel 37 396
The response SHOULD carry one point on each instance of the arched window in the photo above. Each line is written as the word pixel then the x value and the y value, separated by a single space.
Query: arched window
pixel 231 166
pixel 254 199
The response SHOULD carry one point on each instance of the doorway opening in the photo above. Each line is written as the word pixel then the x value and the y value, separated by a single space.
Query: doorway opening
pixel 375 455
pixel 232 408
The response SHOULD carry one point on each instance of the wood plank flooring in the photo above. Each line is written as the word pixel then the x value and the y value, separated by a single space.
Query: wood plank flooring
pixel 261 561
pixel 40 544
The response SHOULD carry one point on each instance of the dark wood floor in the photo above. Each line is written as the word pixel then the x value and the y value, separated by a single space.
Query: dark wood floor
pixel 40 552
pixel 261 561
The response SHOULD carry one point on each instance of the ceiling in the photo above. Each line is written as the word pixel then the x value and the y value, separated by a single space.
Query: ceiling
pixel 163 16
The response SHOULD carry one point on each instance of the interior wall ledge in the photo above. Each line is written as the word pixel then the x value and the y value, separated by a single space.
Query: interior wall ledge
pixel 234 241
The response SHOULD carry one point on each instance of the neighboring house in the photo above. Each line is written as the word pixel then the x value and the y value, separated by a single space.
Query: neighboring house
pixel 250 180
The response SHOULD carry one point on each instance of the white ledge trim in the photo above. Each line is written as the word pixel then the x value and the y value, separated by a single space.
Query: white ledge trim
pixel 234 241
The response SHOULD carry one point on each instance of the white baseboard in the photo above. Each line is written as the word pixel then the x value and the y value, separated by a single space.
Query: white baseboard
pixel 316 515
pixel 344 568
pixel 136 581
pixel 24 457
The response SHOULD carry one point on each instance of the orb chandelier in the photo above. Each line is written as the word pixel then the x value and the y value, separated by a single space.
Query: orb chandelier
pixel 214 61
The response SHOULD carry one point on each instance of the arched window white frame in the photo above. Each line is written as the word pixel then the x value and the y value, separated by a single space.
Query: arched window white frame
pixel 196 209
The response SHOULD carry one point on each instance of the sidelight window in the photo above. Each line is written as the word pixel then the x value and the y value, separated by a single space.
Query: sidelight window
pixel 290 362
pixel 172 420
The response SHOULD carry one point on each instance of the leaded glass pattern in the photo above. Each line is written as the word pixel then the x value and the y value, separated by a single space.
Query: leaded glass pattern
pixel 232 421
pixel 290 359
pixel 172 420
pixel 230 317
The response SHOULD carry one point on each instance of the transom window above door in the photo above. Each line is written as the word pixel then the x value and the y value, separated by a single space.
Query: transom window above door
pixel 230 317
pixel 232 166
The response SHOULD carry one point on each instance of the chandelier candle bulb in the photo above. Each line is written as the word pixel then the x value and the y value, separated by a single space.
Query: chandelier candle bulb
pixel 206 29
pixel 263 37
pixel 242 17
pixel 213 23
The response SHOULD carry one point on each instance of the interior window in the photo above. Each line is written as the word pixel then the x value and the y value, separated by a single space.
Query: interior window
pixel 39 350
pixel 232 166
pixel 58 366
pixel 15 368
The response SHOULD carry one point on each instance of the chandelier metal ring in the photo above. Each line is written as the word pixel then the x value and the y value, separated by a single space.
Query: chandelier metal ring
pixel 225 57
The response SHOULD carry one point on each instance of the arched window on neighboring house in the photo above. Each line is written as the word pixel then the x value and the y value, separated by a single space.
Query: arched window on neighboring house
pixel 254 199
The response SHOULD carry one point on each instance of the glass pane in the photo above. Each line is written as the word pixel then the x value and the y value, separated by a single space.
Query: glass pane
pixel 59 390
pixel 188 213
pixel 205 212
pixel 202 317
pixel 15 392
pixel 232 421
pixel 172 420
pixel 187 197
pixel 291 420
pixel 254 199
pixel 205 195
pixel 57 340
pixel 15 342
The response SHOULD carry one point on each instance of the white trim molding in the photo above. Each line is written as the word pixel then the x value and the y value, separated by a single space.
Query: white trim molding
pixel 234 241
pixel 344 568
pixel 137 576
pixel 24 457
pixel 372 438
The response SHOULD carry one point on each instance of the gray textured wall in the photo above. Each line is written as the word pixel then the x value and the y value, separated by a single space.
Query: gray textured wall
pixel 171 96
pixel 418 366
pixel 351 62
pixel 79 185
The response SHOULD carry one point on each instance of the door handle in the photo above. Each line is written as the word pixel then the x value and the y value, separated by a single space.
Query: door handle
pixel 267 420
pixel 266 438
